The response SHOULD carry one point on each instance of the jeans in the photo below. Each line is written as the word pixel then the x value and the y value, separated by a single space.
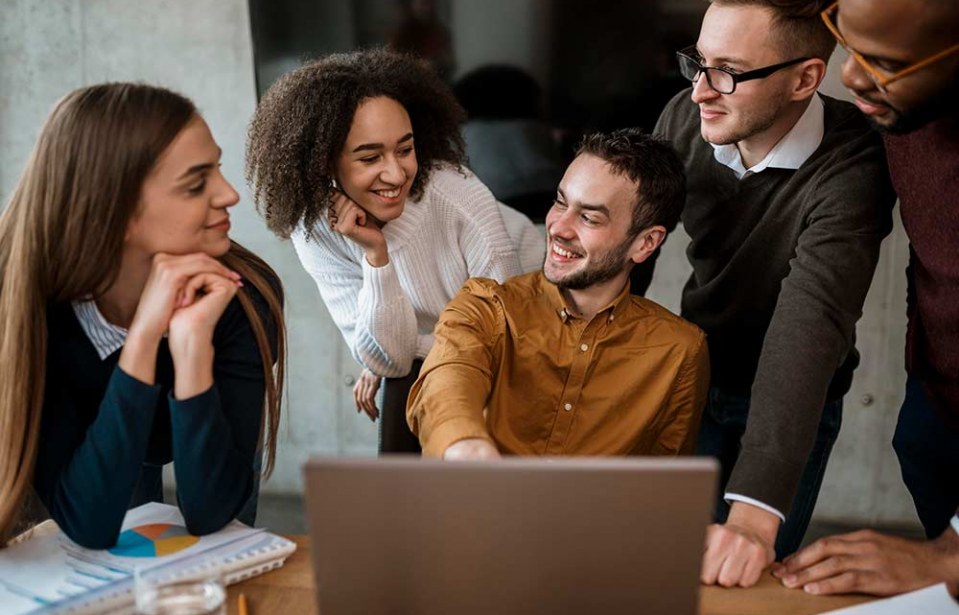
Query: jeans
pixel 723 425
pixel 928 452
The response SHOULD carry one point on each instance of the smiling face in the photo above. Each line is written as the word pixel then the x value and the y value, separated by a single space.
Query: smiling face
pixel 587 226
pixel 738 37
pixel 378 163
pixel 893 34
pixel 184 200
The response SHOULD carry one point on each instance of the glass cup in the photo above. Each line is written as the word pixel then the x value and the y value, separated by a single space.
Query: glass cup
pixel 195 590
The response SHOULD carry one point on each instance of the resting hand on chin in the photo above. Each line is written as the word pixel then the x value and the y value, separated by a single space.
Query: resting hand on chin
pixel 737 552
pixel 161 297
pixel 202 301
pixel 350 220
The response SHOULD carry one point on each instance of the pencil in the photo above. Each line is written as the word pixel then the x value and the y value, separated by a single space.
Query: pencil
pixel 242 605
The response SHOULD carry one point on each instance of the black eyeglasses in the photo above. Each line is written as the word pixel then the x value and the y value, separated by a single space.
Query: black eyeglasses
pixel 723 80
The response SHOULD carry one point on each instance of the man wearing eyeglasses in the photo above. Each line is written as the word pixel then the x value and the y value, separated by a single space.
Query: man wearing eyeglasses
pixel 903 70
pixel 788 202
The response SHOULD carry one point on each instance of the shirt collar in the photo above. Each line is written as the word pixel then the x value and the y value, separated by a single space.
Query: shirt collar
pixel 792 150
pixel 105 336
pixel 555 297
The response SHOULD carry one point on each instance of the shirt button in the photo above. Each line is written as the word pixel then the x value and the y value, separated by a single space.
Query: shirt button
pixel 584 347
pixel 611 317
pixel 568 407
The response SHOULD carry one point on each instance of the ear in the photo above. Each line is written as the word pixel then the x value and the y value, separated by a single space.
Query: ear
pixel 811 74
pixel 646 243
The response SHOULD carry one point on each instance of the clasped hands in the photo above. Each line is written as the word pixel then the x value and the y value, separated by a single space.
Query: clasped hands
pixel 184 297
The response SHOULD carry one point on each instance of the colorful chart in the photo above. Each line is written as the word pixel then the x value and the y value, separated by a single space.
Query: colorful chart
pixel 155 540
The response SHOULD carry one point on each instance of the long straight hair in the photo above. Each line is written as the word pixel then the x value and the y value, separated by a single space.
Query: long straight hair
pixel 61 239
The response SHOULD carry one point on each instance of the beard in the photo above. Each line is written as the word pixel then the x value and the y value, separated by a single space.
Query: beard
pixel 607 266
pixel 943 103
pixel 751 123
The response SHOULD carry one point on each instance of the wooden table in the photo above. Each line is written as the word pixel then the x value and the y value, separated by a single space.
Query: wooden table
pixel 289 590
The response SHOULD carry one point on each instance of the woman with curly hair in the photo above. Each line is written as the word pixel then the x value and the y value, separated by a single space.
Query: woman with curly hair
pixel 359 159
pixel 133 331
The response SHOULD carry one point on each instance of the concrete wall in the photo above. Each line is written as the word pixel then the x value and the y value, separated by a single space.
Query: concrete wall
pixel 203 49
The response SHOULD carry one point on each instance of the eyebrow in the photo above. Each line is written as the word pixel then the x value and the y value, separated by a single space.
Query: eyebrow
pixel 199 168
pixel 369 146
pixel 730 60
pixel 600 208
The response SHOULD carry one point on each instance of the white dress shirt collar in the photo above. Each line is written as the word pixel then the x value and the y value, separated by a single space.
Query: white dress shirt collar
pixel 792 150
pixel 105 336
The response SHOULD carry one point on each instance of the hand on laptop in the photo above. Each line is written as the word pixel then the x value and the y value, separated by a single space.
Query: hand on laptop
pixel 471 448
pixel 868 562
pixel 738 551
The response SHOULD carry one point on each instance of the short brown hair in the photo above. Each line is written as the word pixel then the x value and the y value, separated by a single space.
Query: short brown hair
pixel 301 125
pixel 799 31
pixel 649 162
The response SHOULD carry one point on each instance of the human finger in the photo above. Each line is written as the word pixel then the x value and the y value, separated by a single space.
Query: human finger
pixel 816 552
pixel 752 571
pixel 826 568
pixel 361 395
pixel 712 555
pixel 182 266
pixel 731 571
pixel 852 581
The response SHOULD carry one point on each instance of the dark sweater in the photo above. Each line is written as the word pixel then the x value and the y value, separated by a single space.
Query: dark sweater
pixel 782 260
pixel 925 171
pixel 101 425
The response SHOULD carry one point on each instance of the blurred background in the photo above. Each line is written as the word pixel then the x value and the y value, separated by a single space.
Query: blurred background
pixel 533 76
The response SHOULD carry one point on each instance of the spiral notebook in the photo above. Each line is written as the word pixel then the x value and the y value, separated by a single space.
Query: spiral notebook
pixel 46 572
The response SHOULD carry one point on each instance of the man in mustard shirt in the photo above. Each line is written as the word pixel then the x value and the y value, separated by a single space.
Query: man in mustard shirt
pixel 565 360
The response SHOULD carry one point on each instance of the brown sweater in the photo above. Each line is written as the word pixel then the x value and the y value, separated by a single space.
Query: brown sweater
pixel 925 171
pixel 782 260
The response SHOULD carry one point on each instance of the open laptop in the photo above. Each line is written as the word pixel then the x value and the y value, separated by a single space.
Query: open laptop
pixel 513 536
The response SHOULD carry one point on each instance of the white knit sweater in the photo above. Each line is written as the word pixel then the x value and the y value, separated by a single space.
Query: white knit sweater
pixel 387 314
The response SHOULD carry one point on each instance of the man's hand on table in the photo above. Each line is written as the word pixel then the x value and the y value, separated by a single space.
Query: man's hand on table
pixel 739 550
pixel 471 449
pixel 868 562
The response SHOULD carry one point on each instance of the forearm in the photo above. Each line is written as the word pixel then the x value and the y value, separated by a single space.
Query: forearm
pixel 948 546
pixel 138 357
pixel 214 472
pixel 193 365
pixel 446 405
pixel 385 336
pixel 87 490
pixel 809 337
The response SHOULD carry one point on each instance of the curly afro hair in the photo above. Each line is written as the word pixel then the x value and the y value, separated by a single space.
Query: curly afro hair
pixel 301 125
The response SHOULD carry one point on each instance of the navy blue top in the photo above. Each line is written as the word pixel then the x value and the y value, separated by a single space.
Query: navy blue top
pixel 101 425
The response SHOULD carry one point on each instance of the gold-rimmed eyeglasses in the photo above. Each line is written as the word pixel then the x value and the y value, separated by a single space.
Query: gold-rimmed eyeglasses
pixel 881 78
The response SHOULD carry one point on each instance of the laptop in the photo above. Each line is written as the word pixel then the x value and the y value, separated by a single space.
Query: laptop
pixel 513 536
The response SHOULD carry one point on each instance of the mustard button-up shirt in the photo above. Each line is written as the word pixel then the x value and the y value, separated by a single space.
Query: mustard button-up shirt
pixel 510 363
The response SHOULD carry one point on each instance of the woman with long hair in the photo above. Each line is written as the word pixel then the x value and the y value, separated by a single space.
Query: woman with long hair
pixel 133 331
pixel 359 158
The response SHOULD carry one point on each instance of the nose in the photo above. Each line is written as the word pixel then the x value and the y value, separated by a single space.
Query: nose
pixel 854 76
pixel 701 90
pixel 226 196
pixel 393 172
pixel 559 224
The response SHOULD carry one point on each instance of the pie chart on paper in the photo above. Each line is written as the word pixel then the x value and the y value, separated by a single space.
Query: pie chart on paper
pixel 154 540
